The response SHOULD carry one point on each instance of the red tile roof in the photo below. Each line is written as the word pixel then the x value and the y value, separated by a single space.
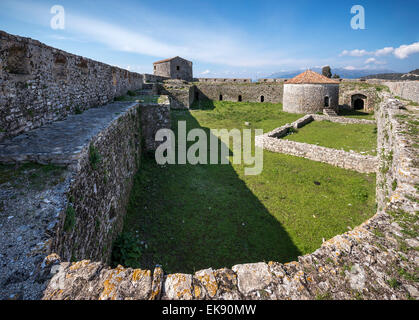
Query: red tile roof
pixel 310 77
pixel 165 60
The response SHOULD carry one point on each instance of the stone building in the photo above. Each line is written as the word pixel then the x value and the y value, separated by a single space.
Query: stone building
pixel 174 68
pixel 310 92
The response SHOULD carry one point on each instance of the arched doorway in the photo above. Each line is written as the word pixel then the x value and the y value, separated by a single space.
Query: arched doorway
pixel 358 102
pixel 240 98
pixel 262 99
pixel 326 102
pixel 221 97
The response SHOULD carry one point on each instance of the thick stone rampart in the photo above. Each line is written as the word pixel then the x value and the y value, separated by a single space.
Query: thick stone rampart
pixel 246 92
pixel 40 84
pixel 405 89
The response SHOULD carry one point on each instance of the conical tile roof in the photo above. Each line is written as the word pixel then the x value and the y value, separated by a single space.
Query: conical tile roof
pixel 312 77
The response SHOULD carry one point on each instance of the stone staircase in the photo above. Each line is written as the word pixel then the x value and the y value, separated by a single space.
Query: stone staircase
pixel 330 112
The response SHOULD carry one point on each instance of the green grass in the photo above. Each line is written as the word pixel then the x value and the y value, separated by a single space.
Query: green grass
pixel 190 217
pixel 356 137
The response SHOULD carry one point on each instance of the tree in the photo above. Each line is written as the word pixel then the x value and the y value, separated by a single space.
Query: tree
pixel 336 76
pixel 327 72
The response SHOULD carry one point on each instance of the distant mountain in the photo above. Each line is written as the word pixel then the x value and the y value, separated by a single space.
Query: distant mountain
pixel 412 75
pixel 343 73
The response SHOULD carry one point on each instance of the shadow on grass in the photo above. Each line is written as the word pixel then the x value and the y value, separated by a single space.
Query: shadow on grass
pixel 348 112
pixel 192 217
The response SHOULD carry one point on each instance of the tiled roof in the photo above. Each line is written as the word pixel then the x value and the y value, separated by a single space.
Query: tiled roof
pixel 165 60
pixel 310 77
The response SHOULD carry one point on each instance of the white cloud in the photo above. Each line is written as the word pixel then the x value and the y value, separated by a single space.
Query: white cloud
pixel 355 53
pixel 206 72
pixel 384 51
pixel 370 60
pixel 401 52
pixel 223 43
pixel 404 51
pixel 349 68
pixel 374 61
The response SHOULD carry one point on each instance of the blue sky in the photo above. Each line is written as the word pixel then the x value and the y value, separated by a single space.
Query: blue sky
pixel 226 38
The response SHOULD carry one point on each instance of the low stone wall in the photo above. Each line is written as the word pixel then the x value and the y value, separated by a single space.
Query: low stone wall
pixel 339 158
pixel 251 92
pixel 343 120
pixel 348 160
pixel 40 84
pixel 405 89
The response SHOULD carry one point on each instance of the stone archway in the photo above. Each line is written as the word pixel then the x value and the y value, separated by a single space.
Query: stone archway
pixel 359 102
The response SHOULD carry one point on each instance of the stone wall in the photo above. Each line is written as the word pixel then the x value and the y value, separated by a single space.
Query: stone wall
pixel 223 80
pixel 271 80
pixel 249 92
pixel 75 209
pixel 309 98
pixel 151 78
pixel 396 150
pixel 405 89
pixel 367 92
pixel 99 191
pixel 40 84
pixel 181 93
pixel 154 116
pixel 348 160
pixel 376 260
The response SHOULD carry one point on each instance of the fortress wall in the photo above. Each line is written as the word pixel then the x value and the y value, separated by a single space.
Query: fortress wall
pixel 41 84
pixel 396 151
pixel 252 92
pixel 223 80
pixel 405 89
pixel 270 80
pixel 309 98
pixel 99 191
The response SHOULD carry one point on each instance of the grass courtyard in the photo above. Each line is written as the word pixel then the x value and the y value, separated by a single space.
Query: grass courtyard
pixel 361 138
pixel 191 217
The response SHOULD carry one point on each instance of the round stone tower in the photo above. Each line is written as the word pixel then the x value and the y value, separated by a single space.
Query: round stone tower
pixel 310 92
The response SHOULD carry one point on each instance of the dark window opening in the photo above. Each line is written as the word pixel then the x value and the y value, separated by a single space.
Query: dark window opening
pixel 221 97
pixel 326 102
pixel 155 67
pixel 17 60
pixel 262 99
pixel 197 96
pixel 359 104
pixel 240 98
pixel 177 68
